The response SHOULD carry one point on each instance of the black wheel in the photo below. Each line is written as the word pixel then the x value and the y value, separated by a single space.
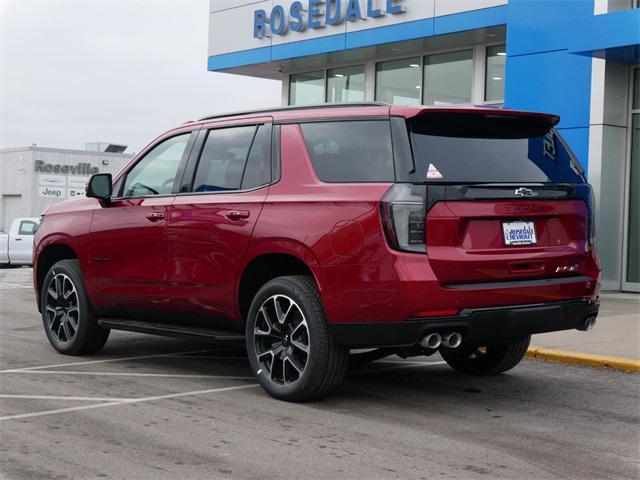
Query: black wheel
pixel 68 318
pixel 489 360
pixel 290 347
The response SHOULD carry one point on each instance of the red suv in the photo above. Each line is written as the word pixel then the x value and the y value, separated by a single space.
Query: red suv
pixel 313 231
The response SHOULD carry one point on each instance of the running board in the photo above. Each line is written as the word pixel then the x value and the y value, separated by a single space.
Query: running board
pixel 169 330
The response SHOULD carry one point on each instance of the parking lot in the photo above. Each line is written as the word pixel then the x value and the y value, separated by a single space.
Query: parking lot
pixel 153 407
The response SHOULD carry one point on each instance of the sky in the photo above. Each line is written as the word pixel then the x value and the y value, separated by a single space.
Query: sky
pixel 119 71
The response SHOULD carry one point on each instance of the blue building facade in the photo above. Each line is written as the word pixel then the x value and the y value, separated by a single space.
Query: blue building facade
pixel 575 58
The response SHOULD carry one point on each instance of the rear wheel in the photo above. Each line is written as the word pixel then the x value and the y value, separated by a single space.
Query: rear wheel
pixel 290 346
pixel 489 360
pixel 68 318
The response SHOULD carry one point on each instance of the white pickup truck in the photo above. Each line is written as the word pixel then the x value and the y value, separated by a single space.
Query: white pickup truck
pixel 16 247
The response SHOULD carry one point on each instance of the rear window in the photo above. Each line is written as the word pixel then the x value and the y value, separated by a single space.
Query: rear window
pixel 350 151
pixel 505 154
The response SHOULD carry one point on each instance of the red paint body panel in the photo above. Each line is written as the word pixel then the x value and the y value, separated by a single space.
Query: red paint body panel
pixel 465 240
pixel 191 260
pixel 129 254
pixel 207 248
pixel 305 218
pixel 68 224
pixel 404 284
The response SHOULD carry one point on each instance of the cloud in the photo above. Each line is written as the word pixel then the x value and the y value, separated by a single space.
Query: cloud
pixel 117 71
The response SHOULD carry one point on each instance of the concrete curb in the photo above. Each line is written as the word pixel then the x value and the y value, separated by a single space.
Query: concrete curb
pixel 579 358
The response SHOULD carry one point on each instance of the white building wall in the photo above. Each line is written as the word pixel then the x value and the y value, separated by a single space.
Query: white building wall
pixel 25 192
pixel 608 156
pixel 231 21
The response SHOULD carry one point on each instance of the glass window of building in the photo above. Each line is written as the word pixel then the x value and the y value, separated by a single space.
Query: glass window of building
pixel 306 88
pixel 345 84
pixel 399 82
pixel 633 233
pixel 448 78
pixel 494 80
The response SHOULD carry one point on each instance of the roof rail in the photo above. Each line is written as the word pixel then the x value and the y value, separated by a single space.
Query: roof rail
pixel 296 107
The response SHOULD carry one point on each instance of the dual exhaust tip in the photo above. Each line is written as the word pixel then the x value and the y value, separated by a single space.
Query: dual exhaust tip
pixel 435 340
pixel 588 324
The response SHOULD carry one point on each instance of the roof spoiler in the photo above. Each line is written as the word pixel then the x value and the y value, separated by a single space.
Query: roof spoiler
pixel 482 122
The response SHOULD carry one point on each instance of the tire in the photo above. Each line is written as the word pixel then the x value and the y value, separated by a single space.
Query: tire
pixel 495 359
pixel 286 316
pixel 69 323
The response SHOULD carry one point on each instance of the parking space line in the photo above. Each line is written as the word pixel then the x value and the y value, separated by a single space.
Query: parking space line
pixel 108 360
pixel 125 402
pixel 58 397
pixel 134 374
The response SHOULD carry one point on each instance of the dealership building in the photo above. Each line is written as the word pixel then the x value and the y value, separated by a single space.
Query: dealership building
pixel 32 178
pixel 575 58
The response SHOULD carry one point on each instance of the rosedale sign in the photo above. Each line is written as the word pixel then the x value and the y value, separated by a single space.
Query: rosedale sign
pixel 315 14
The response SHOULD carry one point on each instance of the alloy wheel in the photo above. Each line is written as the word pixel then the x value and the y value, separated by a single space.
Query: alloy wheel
pixel 62 308
pixel 281 338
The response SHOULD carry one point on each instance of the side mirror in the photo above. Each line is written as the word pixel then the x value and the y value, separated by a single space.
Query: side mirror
pixel 100 187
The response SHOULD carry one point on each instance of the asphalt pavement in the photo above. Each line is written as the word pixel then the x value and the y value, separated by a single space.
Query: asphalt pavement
pixel 158 408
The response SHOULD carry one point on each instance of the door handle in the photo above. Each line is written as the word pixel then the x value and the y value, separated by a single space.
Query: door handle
pixel 18 239
pixel 237 214
pixel 155 216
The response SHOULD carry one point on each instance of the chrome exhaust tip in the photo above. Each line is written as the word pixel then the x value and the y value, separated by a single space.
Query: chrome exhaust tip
pixel 451 340
pixel 588 325
pixel 431 340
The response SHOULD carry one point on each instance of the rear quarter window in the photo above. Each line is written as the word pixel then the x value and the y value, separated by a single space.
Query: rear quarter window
pixel 350 151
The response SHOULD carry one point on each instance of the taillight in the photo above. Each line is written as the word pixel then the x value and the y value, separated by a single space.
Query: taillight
pixel 591 219
pixel 403 210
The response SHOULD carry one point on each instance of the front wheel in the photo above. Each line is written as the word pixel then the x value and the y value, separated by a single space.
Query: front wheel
pixel 489 360
pixel 68 318
pixel 290 346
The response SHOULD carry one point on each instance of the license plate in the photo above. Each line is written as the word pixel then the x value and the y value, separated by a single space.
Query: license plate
pixel 519 233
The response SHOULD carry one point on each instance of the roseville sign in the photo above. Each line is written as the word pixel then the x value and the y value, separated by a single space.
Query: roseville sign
pixel 78 169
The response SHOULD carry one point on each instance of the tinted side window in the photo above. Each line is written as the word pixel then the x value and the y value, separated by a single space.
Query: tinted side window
pixel 223 159
pixel 350 151
pixel 156 172
pixel 27 227
pixel 258 169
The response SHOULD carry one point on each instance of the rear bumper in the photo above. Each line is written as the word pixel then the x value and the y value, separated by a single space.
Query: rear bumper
pixel 480 326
